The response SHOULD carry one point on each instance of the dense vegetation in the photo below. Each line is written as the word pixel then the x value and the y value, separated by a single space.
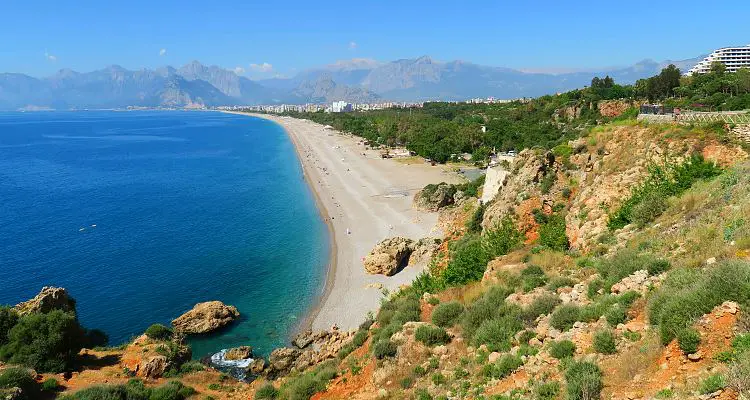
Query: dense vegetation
pixel 46 342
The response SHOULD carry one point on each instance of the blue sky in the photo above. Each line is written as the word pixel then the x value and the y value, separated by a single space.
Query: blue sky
pixel 270 38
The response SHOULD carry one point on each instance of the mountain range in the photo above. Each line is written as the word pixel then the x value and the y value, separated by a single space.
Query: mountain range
pixel 356 80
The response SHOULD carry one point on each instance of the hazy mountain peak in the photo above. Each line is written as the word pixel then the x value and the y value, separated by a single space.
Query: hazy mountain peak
pixel 353 64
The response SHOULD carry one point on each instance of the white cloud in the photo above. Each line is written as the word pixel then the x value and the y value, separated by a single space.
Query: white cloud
pixel 264 67
pixel 49 56
pixel 239 70
pixel 162 52
pixel 352 45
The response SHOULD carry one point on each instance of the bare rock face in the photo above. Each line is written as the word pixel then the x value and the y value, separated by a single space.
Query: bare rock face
pixel 303 339
pixel 434 197
pixel 281 360
pixel 205 317
pixel 388 256
pixel 257 366
pixel 239 353
pixel 423 251
pixel 50 298
pixel 154 367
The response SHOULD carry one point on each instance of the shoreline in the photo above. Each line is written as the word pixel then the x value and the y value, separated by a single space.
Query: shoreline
pixel 356 186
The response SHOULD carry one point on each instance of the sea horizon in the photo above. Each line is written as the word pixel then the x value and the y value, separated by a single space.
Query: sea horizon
pixel 142 214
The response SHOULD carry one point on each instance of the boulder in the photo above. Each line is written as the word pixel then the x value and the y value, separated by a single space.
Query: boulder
pixel 257 366
pixel 205 317
pixel 50 298
pixel 153 368
pixel 388 256
pixel 282 359
pixel 423 250
pixel 434 197
pixel 303 339
pixel 239 353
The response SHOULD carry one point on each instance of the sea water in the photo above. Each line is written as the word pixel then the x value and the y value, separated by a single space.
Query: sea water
pixel 142 214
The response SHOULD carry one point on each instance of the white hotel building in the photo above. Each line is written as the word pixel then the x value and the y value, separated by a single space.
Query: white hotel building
pixel 733 58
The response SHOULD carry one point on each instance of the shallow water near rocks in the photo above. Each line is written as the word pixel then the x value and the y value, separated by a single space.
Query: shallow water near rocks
pixel 140 215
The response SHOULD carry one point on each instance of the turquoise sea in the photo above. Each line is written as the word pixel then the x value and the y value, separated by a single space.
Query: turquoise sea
pixel 142 214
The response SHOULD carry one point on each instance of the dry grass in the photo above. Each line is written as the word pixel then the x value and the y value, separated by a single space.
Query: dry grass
pixel 640 358
pixel 552 261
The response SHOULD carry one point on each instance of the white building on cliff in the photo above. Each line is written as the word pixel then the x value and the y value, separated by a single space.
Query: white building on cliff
pixel 733 58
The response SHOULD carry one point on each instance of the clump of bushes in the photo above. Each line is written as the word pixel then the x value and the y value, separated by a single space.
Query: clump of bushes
pixel 159 332
pixel 648 200
pixel 431 335
pixel 46 342
pixel 712 384
pixel 304 386
pixel 624 263
pixel 502 367
pixel 604 342
pixel 134 389
pixel 447 314
pixel 491 321
pixel 541 305
pixel 384 348
pixel 688 339
pixel 687 294
pixel 21 378
pixel 50 385
pixel 532 277
pixel 474 225
pixel 565 316
pixel 552 233
pixel 562 349
pixel 584 380
pixel 266 392
pixel 357 341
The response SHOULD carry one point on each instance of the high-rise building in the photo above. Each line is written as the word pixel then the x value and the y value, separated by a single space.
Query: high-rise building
pixel 733 58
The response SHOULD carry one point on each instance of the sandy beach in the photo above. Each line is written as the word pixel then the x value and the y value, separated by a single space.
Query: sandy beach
pixel 364 199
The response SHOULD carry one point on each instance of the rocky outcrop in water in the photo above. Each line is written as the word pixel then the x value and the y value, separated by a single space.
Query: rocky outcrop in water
pixel 388 256
pixel 205 317
pixel 239 353
pixel 50 298
pixel 434 197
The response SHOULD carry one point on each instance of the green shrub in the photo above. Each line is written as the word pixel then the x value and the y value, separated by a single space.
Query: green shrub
pixel 651 206
pixel 474 225
pixel 468 261
pixel 688 294
pixel 584 380
pixel 558 282
pixel 497 334
pixel 617 314
pixel 8 319
pixel 552 233
pixel 688 339
pixel 191 366
pixel 658 266
pixel 604 342
pixel 532 277
pixel 663 182
pixel 541 305
pixel 422 394
pixel 400 309
pixel 546 390
pixel 664 394
pixel 266 392
pixel 50 385
pixel 21 378
pixel 487 307
pixel 437 378
pixel 304 386
pixel 712 384
pixel 46 342
pixel 562 349
pixel 383 349
pixel 565 316
pixel 502 367
pixel 447 314
pixel 431 335
pixel 526 336
pixel 134 390
pixel 159 332
pixel 501 239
